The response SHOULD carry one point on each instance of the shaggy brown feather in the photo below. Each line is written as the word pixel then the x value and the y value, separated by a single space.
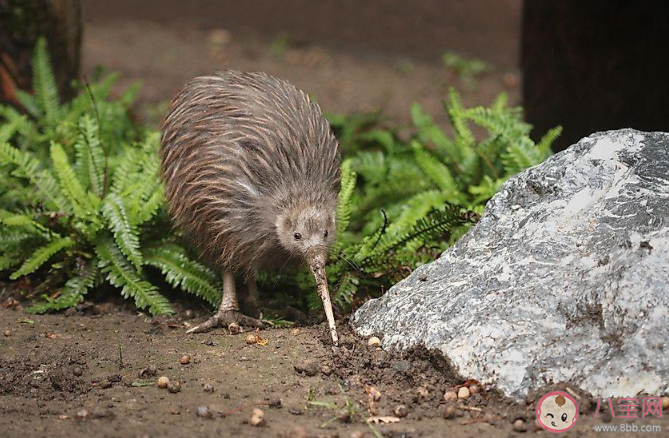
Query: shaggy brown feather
pixel 242 154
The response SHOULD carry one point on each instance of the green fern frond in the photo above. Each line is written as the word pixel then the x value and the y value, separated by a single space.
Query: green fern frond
pixel 547 140
pixel 41 255
pixel 348 180
pixel 122 274
pixel 69 182
pixel 72 292
pixel 416 208
pixel 96 164
pixel 29 102
pixel 9 259
pixel 44 84
pixel 455 108
pixel 437 172
pixel 125 233
pixel 30 168
pixel 182 272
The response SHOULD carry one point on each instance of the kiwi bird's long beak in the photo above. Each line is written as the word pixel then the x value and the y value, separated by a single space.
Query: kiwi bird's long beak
pixel 317 266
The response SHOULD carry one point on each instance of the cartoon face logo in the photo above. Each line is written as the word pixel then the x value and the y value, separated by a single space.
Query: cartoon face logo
pixel 557 412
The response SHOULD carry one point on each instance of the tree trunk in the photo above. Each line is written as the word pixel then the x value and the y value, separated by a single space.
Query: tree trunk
pixel 594 65
pixel 21 24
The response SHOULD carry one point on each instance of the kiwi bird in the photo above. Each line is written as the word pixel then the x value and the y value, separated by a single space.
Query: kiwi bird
pixel 251 169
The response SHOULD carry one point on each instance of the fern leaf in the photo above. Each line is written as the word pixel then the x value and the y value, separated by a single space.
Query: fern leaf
pixel 89 132
pixel 122 274
pixel 72 292
pixel 182 272
pixel 44 84
pixel 455 108
pixel 41 255
pixel 125 234
pixel 348 179
pixel 437 172
pixel 29 102
pixel 30 168
pixel 71 186
pixel 547 140
pixel 150 207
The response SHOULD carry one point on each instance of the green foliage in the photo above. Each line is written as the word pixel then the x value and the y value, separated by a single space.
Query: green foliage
pixel 84 205
pixel 403 202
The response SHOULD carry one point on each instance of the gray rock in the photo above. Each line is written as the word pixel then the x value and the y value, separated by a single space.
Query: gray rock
pixel 564 279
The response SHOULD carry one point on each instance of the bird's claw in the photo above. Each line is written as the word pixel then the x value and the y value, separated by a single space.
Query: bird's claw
pixel 225 318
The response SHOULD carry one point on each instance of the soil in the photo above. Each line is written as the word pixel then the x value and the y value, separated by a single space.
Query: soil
pixel 89 373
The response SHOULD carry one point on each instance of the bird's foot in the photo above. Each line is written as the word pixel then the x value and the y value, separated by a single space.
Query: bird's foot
pixel 224 319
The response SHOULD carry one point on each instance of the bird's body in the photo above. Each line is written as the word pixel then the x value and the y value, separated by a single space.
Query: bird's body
pixel 251 169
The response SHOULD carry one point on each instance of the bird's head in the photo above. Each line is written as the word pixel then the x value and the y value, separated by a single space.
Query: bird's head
pixel 307 232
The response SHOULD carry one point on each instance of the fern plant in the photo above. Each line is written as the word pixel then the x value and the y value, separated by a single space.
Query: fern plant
pixel 404 202
pixel 84 207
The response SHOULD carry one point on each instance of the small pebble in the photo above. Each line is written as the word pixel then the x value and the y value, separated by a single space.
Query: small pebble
pixel 422 277
pixel 82 414
pixel 185 359
pixel 174 387
pixel 401 411
pixel 295 331
pixel 374 342
pixel 77 371
pixel 357 434
pixel 422 392
pixel 8 332
pixel 450 396
pixel 463 393
pixel 519 426
pixel 203 412
pixel 163 382
pixel 474 389
pixel 450 412
pixel 188 314
pixel 208 387
pixel 209 342
pixel 326 370
pixel 665 402
pixel 274 401
pixel 257 417
pixel 233 328
pixel 251 339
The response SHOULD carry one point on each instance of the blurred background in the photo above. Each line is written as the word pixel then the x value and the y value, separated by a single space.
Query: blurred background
pixel 587 66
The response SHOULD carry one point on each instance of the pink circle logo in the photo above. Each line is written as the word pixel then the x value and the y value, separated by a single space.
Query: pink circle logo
pixel 557 412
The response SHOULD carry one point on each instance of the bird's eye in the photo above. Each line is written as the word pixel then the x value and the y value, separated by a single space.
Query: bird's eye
pixel 297 236
pixel 325 234
pixel 564 417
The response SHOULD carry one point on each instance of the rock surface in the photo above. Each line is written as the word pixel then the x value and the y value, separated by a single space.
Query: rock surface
pixel 564 279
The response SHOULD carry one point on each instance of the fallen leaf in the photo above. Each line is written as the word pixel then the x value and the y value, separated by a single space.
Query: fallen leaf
pixel 27 321
pixel 259 340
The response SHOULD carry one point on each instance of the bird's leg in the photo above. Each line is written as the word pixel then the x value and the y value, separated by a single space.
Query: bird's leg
pixel 228 311
pixel 252 301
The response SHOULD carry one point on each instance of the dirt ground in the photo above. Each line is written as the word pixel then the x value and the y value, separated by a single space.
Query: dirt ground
pixel 88 373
